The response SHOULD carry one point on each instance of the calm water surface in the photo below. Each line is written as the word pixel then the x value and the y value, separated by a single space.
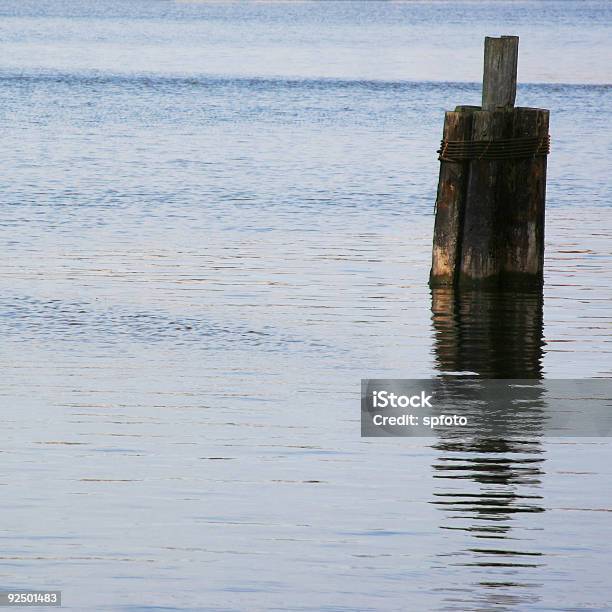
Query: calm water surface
pixel 216 219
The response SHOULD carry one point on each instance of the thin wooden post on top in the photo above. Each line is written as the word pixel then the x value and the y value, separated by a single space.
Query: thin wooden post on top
pixel 499 75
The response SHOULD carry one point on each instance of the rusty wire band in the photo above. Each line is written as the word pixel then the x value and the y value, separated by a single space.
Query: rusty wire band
pixel 496 150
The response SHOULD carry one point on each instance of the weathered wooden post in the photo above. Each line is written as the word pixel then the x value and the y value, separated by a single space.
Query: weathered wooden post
pixel 489 226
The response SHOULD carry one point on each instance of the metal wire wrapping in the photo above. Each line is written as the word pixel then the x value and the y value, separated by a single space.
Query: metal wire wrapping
pixel 505 148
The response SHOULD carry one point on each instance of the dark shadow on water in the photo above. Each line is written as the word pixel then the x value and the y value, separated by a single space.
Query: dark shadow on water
pixel 492 334
pixel 489 487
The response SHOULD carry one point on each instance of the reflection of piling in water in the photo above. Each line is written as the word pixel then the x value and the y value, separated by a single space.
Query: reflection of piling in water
pixel 489 480
pixel 494 334
pixel 489 489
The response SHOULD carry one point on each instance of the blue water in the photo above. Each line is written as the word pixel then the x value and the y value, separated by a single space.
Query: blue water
pixel 216 219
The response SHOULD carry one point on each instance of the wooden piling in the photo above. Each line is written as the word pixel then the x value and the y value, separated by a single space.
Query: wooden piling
pixel 450 201
pixel 481 243
pixel 489 227
pixel 523 193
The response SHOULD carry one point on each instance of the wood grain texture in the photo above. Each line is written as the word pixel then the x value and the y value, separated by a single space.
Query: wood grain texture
pixel 523 195
pixel 482 237
pixel 500 72
pixel 450 202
